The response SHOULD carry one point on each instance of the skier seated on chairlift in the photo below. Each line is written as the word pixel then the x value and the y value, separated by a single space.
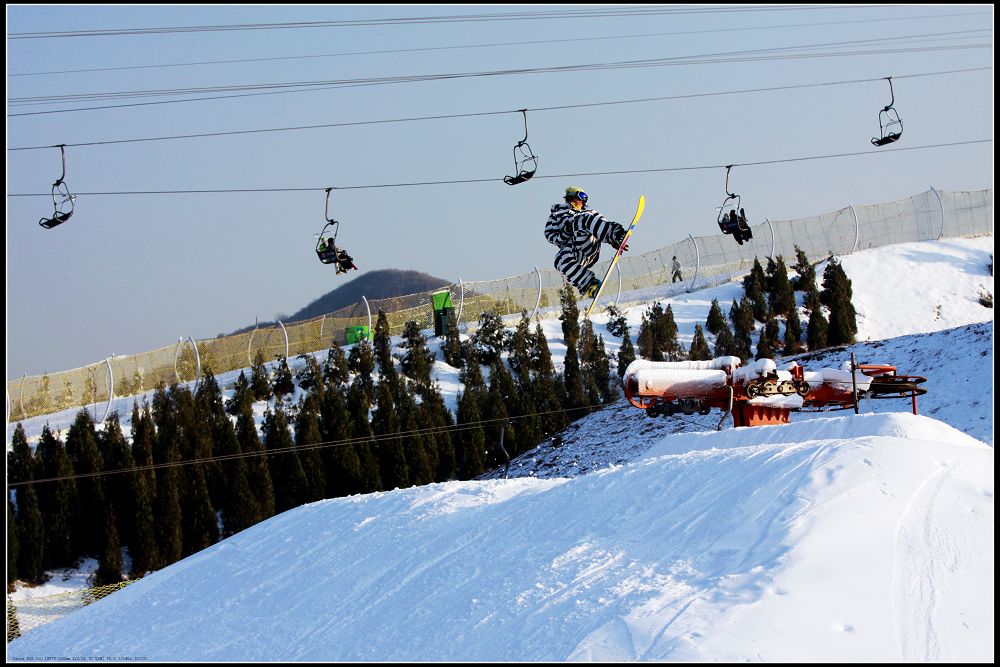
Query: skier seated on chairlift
pixel 331 254
pixel 737 226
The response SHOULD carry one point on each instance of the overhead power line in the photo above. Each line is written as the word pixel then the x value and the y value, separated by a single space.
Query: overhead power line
pixel 537 176
pixel 492 45
pixel 642 100
pixel 559 14
pixel 756 55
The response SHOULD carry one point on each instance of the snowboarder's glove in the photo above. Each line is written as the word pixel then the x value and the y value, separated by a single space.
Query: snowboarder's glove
pixel 616 237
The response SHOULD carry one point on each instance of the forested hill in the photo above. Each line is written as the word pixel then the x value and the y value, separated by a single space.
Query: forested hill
pixel 371 285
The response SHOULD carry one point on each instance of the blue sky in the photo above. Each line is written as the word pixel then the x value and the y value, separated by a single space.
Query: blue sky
pixel 133 272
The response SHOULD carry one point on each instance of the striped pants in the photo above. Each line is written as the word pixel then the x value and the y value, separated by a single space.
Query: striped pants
pixel 574 262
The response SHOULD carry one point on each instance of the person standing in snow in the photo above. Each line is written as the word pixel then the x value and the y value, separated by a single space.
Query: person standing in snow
pixel 676 268
pixel 578 232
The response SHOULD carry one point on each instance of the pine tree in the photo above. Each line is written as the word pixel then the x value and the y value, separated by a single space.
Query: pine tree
pixel 817 330
pixel 666 334
pixel 715 319
pixel 386 426
pixel 144 552
pixel 419 457
pixel 417 359
pixel 626 353
pixel 361 361
pixel 241 392
pixel 588 354
pixel 724 343
pixel 382 344
pixel 519 347
pixel 109 564
pixel 699 346
pixel 358 407
pixel 452 349
pixel 741 315
pixel 310 376
pixel 754 287
pixel 59 502
pixel 768 337
pixel 119 488
pixel 793 332
pixel 258 471
pixel 548 394
pixel 13 553
pixel 489 338
pixel 781 296
pixel 30 537
pixel 617 322
pixel 282 384
pixel 81 446
pixel 260 381
pixel 576 395
pixel 435 418
pixel 836 295
pixel 307 436
pixel 291 487
pixel 200 524
pixel 806 280
pixel 167 455
pixel 471 449
pixel 336 371
pixel 647 342
pixel 340 457
pixel 232 496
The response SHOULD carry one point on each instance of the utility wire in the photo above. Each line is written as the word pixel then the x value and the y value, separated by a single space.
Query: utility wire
pixel 559 14
pixel 203 135
pixel 311 86
pixel 73 97
pixel 493 45
pixel 491 180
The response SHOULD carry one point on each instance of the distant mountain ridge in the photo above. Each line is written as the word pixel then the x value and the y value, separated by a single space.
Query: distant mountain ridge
pixel 372 285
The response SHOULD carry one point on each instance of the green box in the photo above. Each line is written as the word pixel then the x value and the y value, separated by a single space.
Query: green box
pixel 357 333
pixel 441 300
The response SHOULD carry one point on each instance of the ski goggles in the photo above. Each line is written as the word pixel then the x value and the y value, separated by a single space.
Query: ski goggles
pixel 581 195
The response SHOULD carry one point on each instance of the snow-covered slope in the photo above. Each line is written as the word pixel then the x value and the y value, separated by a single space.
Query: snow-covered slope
pixel 836 539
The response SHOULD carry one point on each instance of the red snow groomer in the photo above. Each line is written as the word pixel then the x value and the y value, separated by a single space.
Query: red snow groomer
pixel 759 393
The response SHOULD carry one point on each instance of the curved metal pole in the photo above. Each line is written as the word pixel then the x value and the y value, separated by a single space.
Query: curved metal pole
pixel 857 230
pixel 539 299
pixel 250 342
pixel 697 261
pixel 197 362
pixel 285 332
pixel 770 227
pixel 618 268
pixel 368 308
pixel 20 398
pixel 461 301
pixel 111 391
pixel 321 322
pixel 941 207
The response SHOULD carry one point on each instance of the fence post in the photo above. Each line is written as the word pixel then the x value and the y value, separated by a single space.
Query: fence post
pixel 770 228
pixel 940 206
pixel 321 322
pixel 285 333
pixel 539 299
pixel 857 230
pixel 461 302
pixel 20 398
pixel 618 266
pixel 111 392
pixel 697 261
pixel 368 308
pixel 250 342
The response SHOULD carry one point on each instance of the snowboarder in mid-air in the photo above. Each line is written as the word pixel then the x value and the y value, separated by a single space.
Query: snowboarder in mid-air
pixel 578 231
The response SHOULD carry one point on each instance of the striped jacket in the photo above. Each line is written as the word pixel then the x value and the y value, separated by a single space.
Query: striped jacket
pixel 583 231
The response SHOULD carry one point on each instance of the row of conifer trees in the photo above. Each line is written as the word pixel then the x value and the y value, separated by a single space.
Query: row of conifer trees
pixel 195 468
